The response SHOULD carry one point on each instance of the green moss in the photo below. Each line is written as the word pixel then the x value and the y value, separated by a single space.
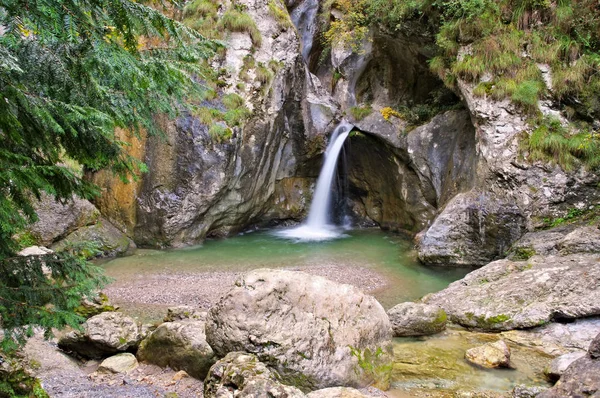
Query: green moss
pixel 279 12
pixel 523 253
pixel 376 365
pixel 360 112
pixel 238 21
pixel 220 133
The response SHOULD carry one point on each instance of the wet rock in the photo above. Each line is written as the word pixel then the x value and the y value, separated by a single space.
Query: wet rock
pixel 56 220
pixel 580 379
pixel 104 334
pixel 507 294
pixel 304 326
pixel 241 374
pixel 491 355
pixel 108 239
pixel 182 312
pixel 558 366
pixel 180 345
pixel 120 363
pixel 415 319
pixel 527 391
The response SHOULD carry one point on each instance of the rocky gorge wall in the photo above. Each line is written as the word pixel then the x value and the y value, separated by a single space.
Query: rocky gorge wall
pixel 456 178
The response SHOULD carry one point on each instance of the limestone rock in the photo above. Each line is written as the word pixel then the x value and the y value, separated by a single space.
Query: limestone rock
pixel 558 366
pixel 56 220
pixel 580 379
pixel 527 391
pixel 241 374
pixel 594 350
pixel 180 345
pixel 310 330
pixel 415 319
pixel 109 240
pixel 182 312
pixel 507 294
pixel 35 251
pixel 120 363
pixel 491 355
pixel 337 392
pixel 102 335
pixel 582 240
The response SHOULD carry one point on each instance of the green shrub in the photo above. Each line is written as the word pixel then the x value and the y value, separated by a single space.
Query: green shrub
pixel 220 133
pixel 280 13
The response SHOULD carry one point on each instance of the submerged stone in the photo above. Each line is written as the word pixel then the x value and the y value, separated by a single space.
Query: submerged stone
pixel 491 355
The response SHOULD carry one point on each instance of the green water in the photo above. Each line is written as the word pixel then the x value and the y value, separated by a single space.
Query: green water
pixel 388 255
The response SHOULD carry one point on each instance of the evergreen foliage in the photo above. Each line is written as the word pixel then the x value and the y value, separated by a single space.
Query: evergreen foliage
pixel 71 72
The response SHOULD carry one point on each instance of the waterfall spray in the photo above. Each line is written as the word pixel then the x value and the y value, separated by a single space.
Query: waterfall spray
pixel 318 224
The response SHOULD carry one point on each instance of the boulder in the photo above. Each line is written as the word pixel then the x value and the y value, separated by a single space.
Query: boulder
pixel 56 220
pixel 120 363
pixel 108 239
pixel 315 333
pixel 104 334
pixel 491 355
pixel 415 319
pixel 242 375
pixel 558 365
pixel 581 378
pixel 180 345
pixel 506 294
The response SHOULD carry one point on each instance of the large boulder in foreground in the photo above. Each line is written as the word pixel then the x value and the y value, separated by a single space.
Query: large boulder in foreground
pixel 506 294
pixel 315 333
pixel 582 377
pixel 103 335
pixel 180 345
pixel 416 319
pixel 242 375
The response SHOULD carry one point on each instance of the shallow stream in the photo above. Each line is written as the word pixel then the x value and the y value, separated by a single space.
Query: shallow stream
pixel 379 263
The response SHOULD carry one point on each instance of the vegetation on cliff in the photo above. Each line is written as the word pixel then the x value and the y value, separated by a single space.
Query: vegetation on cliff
pixel 504 47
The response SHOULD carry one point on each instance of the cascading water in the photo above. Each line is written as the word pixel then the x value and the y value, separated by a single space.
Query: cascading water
pixel 317 226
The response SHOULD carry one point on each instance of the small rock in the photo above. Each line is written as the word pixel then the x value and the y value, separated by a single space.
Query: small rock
pixel 180 345
pixel 104 334
pixel 182 374
pixel 242 375
pixel 34 251
pixel 558 366
pixel 414 319
pixel 491 355
pixel 120 363
pixel 527 392
pixel 594 350
pixel 184 312
pixel 337 392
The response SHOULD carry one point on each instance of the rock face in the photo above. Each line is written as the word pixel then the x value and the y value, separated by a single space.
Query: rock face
pixel 508 294
pixel 491 355
pixel 313 332
pixel 241 375
pixel 104 334
pixel 180 345
pixel 581 378
pixel 120 363
pixel 509 197
pixel 414 319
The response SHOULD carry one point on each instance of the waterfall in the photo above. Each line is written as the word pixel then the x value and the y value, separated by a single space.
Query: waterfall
pixel 317 226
